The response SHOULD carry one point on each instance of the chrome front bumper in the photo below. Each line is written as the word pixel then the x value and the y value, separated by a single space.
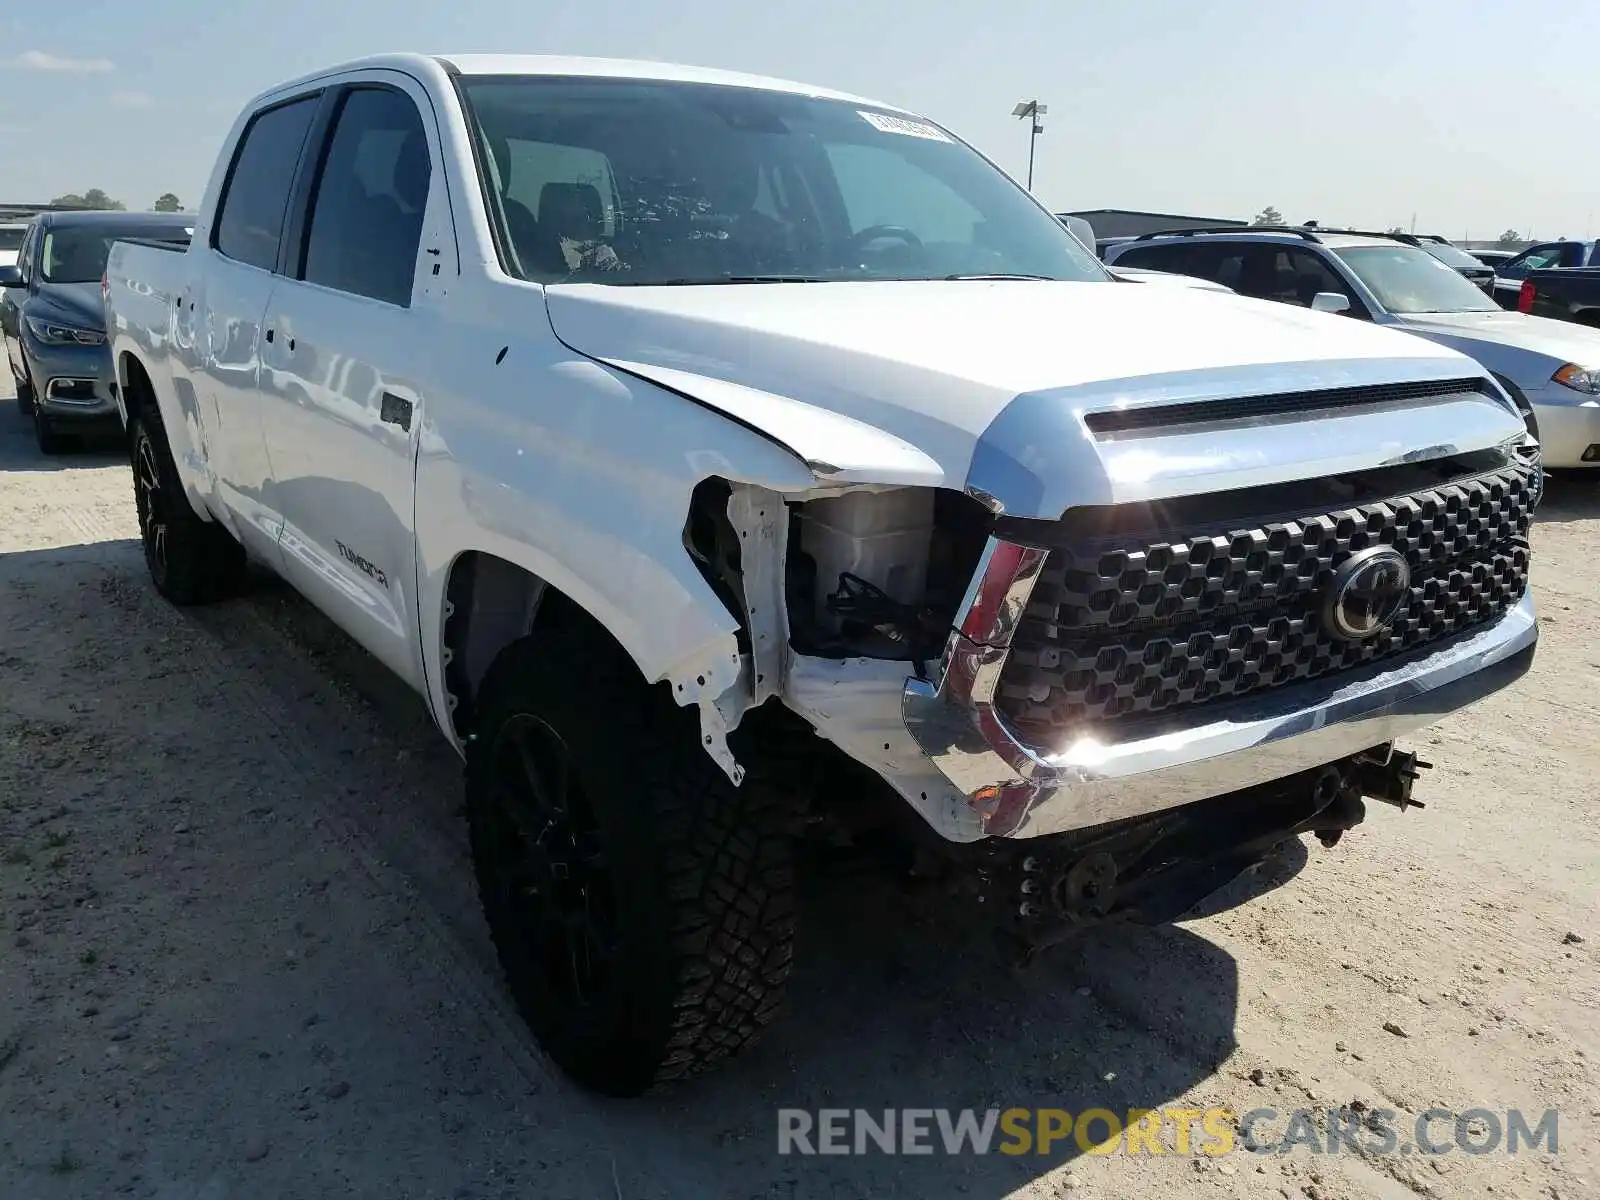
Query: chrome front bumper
pixel 1017 791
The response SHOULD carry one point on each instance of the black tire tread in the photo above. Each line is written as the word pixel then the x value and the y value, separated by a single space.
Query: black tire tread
pixel 726 877
pixel 204 563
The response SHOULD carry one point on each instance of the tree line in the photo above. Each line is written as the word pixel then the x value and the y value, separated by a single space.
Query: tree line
pixel 96 199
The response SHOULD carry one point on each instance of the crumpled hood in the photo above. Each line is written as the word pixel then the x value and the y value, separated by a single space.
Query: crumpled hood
pixel 933 364
pixel 75 304
pixel 1555 343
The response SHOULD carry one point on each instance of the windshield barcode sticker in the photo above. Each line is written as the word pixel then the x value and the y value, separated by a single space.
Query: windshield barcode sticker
pixel 904 125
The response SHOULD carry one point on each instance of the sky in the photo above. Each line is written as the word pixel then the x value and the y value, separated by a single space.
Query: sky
pixel 1360 112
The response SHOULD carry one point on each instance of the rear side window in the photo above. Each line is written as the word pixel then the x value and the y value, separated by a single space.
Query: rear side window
pixel 29 244
pixel 366 220
pixel 1154 258
pixel 1217 261
pixel 250 222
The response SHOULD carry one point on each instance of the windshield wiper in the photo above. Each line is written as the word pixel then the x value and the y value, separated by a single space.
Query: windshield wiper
pixel 996 275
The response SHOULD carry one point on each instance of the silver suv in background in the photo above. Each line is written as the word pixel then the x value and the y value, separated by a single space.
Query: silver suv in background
pixel 1550 368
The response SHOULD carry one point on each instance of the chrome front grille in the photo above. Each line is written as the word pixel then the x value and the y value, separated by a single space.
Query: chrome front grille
pixel 1125 627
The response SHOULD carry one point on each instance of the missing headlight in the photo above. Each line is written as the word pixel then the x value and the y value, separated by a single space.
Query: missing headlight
pixel 879 574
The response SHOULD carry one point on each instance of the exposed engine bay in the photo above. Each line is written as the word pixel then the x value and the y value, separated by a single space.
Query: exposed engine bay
pixel 869 572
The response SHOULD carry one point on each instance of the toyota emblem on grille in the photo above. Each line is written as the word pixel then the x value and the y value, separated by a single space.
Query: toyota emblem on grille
pixel 1367 592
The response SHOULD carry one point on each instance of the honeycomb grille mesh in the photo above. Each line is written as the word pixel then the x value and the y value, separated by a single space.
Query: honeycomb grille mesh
pixel 1122 628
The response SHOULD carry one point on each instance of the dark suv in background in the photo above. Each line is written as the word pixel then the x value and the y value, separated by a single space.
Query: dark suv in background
pixel 52 322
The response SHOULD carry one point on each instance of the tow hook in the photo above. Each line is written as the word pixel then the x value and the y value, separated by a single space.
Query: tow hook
pixel 1387 774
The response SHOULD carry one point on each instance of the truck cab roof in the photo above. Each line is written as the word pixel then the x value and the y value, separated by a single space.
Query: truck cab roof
pixel 569 66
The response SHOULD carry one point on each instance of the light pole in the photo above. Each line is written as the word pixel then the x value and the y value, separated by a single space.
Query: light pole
pixel 1036 111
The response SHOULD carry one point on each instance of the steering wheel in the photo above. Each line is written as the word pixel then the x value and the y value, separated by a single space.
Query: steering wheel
pixel 872 233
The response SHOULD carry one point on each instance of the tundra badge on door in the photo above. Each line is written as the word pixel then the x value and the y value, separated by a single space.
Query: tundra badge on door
pixel 361 564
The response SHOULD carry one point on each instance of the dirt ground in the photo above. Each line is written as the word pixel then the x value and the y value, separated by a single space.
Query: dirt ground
pixel 240 953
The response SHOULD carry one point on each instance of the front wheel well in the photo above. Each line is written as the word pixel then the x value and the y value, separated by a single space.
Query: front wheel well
pixel 490 603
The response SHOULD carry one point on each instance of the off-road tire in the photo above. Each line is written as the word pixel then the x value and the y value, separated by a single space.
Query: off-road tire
pixel 193 561
pixel 701 871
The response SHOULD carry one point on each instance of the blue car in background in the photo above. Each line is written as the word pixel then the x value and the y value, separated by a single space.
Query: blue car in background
pixel 52 321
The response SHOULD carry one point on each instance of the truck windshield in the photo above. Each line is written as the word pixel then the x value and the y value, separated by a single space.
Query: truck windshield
pixel 78 253
pixel 11 236
pixel 624 181
pixel 1408 280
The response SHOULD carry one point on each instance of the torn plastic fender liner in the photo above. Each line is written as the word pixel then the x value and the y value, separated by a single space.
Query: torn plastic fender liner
pixel 723 683
pixel 715 681
pixel 838 450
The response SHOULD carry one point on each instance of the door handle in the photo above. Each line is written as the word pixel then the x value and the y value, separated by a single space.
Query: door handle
pixel 395 411
pixel 269 335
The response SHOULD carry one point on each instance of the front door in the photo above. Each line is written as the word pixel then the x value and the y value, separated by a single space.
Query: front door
pixel 341 399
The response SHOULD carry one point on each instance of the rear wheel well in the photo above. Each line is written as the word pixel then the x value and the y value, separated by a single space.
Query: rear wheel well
pixel 137 393
pixel 1590 316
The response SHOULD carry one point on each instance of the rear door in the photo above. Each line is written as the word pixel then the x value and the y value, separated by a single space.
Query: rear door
pixel 342 398
pixel 234 281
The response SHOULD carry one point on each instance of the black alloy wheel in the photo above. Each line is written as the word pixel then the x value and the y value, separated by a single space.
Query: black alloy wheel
pixel 545 866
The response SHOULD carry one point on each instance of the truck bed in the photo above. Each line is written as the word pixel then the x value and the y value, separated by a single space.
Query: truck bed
pixel 1564 293
pixel 144 279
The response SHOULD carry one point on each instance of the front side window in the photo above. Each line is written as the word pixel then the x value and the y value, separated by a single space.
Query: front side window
pixel 250 221
pixel 650 182
pixel 1311 274
pixel 1408 280
pixel 77 253
pixel 366 218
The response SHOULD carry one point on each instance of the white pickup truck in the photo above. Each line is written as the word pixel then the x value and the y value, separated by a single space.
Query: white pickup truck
pixel 652 421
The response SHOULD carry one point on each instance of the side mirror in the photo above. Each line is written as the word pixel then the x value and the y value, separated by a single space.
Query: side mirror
pixel 1330 302
pixel 11 276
